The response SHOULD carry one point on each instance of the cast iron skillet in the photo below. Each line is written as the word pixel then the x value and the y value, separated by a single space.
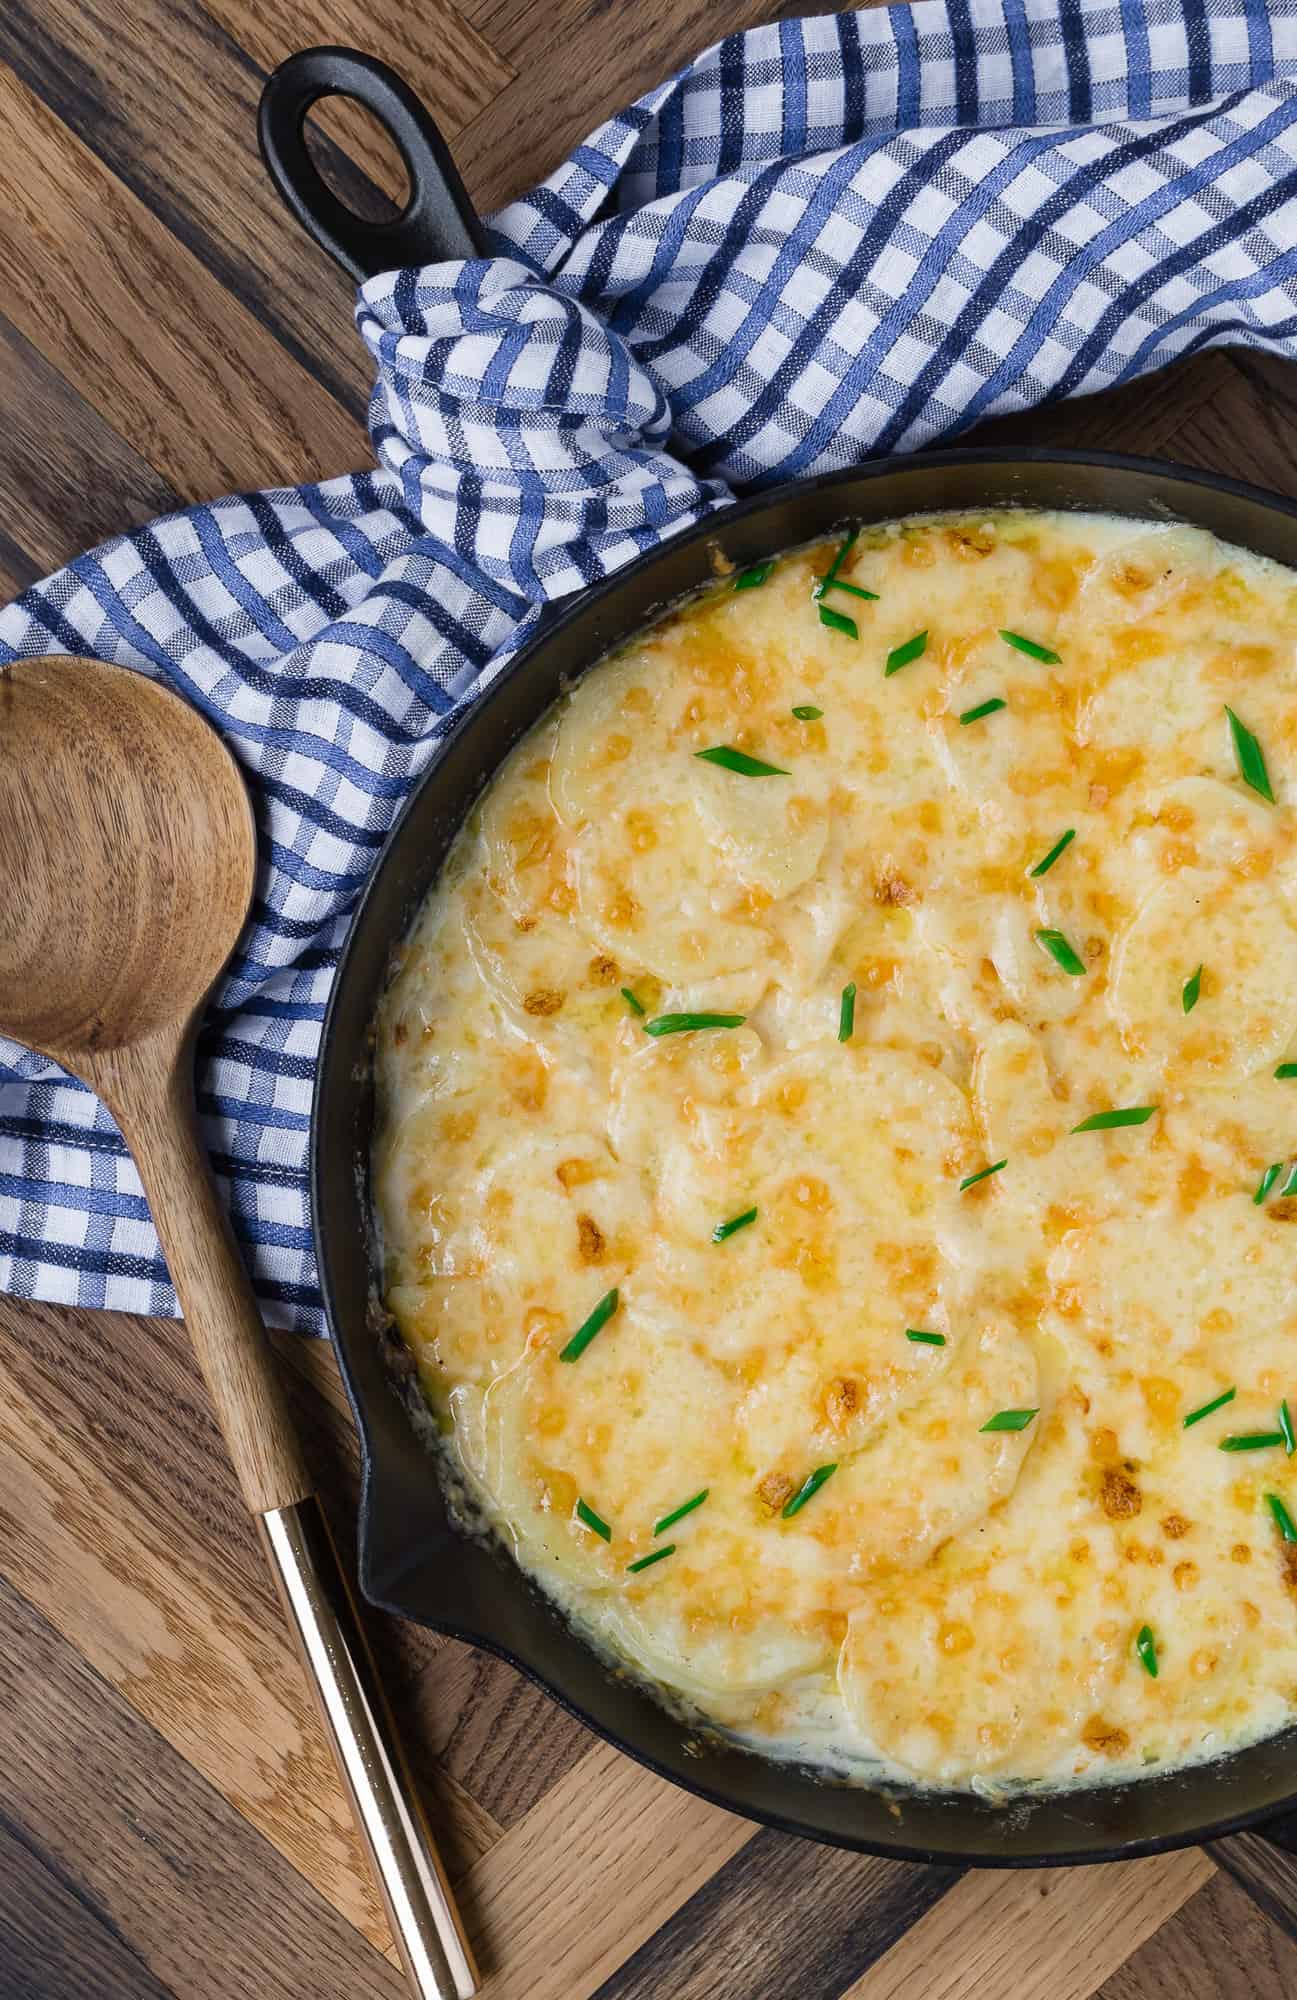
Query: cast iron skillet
pixel 412 1560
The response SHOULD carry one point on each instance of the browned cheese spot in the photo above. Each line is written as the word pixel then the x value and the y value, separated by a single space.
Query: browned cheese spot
pixel 590 1240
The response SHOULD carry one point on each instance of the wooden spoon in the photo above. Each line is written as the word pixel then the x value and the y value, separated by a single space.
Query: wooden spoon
pixel 127 863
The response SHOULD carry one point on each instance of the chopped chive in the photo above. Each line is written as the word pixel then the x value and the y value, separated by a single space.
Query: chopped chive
pixel 678 1513
pixel 593 1520
pixel 684 1024
pixel 808 714
pixel 847 1013
pixel 731 759
pixel 753 578
pixel 1252 1441
pixel 735 1223
pixel 809 1487
pixel 916 1333
pixel 586 1332
pixel 830 576
pixel 1206 1409
pixel 1061 952
pixel 1286 1070
pixel 983 708
pixel 1282 1518
pixel 1266 1182
pixel 1043 867
pixel 837 622
pixel 1010 1420
pixel 1111 1121
pixel 1146 1647
pixel 1285 1425
pixel 647 1562
pixel 1192 988
pixel 900 656
pixel 854 589
pixel 635 1005
pixel 1033 650
pixel 1290 1185
pixel 1251 759
pixel 971 1180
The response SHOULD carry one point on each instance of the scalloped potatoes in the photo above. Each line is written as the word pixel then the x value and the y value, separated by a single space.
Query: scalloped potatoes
pixel 732 1199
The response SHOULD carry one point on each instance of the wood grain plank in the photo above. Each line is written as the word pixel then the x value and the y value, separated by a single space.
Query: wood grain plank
pixel 1219 1947
pixel 134 1588
pixel 608 57
pixel 183 373
pixel 1248 425
pixel 1034 1934
pixel 592 1871
pixel 167 102
pixel 67 480
pixel 797 1918
pixel 53 1941
pixel 1267 1871
pixel 504 1740
pixel 202 1900
pixel 440 54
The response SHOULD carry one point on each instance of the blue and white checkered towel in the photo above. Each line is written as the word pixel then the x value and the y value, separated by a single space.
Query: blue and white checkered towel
pixel 823 240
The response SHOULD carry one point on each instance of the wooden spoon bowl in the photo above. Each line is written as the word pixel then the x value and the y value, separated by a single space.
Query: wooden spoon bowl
pixel 127 861
pixel 129 855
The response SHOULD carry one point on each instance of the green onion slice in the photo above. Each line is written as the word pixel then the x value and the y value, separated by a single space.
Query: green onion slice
pixel 836 621
pixel 1061 952
pixel 971 1180
pixel 1252 1441
pixel 806 713
pixel 1266 1182
pixel 586 1332
pixel 1282 1518
pixel 1285 1425
pixel 1031 648
pixel 809 1487
pixel 916 1333
pixel 1251 759
pixel 847 1013
pixel 900 656
pixel 593 1520
pixel 1190 991
pixel 830 576
pixel 983 708
pixel 655 1556
pixel 1010 1420
pixel 1286 1070
pixel 735 1223
pixel 678 1513
pixel 1043 867
pixel 1146 1647
pixel 1111 1121
pixel 685 1024
pixel 855 590
pixel 1206 1409
pixel 635 1005
pixel 1290 1185
pixel 731 759
pixel 752 579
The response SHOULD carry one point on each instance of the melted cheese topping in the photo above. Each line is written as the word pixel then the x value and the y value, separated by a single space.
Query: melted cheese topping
pixel 956 1605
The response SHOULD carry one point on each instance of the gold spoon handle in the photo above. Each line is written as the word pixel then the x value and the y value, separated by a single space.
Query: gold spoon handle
pixel 220 1312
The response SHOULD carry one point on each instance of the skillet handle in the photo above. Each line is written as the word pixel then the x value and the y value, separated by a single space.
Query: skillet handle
pixel 438 222
pixel 1264 1862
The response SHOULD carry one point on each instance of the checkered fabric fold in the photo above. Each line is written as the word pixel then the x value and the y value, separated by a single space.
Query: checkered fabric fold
pixel 823 240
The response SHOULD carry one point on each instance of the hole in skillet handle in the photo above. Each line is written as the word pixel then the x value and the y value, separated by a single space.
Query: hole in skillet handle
pixel 437 223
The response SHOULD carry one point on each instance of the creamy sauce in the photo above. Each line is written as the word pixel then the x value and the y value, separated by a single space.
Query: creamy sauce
pixel 951 1604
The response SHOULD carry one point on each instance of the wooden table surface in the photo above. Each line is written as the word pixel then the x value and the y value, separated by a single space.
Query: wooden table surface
pixel 169 1822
